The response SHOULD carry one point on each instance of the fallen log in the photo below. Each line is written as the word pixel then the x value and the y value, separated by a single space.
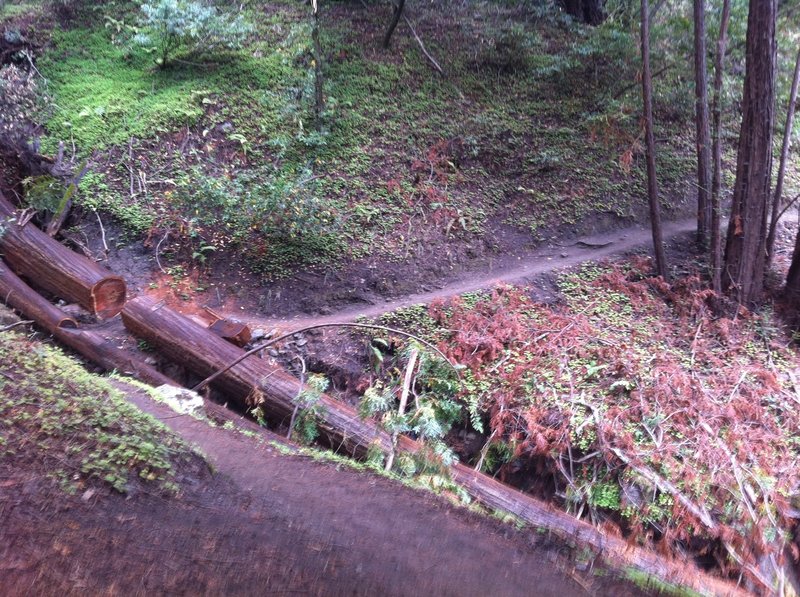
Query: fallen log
pixel 97 349
pixel 249 381
pixel 18 295
pixel 53 267
pixel 92 346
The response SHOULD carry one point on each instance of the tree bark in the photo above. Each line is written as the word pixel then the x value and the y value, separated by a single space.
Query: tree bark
pixel 652 183
pixel 793 277
pixel 398 12
pixel 92 346
pixel 703 133
pixel 716 213
pixel 787 142
pixel 746 247
pixel 53 267
pixel 18 295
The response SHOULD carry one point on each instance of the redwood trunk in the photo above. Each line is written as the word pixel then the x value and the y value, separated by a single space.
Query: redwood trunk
pixel 18 295
pixel 92 346
pixel 652 183
pixel 104 353
pixel 746 248
pixel 192 345
pixel 793 278
pixel 787 142
pixel 716 214
pixel 703 129
pixel 53 267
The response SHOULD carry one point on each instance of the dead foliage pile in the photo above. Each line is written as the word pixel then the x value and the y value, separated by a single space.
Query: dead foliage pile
pixel 647 410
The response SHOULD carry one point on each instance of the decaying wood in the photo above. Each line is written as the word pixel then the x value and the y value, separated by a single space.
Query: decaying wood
pixel 95 348
pixel 248 383
pixel 256 381
pixel 18 295
pixel 49 265
pixel 92 346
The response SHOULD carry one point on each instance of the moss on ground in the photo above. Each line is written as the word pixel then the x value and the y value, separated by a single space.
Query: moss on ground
pixel 76 424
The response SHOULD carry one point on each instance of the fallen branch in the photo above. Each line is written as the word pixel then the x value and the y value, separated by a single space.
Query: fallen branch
pixel 430 58
pixel 401 410
pixel 11 326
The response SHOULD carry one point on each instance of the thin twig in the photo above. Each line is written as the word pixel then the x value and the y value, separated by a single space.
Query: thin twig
pixel 15 324
pixel 102 233
pixel 297 398
pixel 158 249
pixel 422 47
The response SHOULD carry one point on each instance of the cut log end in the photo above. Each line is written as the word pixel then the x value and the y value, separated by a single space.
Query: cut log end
pixel 108 297
pixel 67 323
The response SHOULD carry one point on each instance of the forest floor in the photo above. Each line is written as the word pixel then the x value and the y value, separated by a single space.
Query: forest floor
pixel 251 514
pixel 394 204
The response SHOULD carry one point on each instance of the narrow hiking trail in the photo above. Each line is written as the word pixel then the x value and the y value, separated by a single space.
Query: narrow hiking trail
pixel 505 269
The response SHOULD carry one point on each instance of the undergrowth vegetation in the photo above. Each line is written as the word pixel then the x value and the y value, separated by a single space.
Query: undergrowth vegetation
pixel 76 426
pixel 547 134
pixel 642 405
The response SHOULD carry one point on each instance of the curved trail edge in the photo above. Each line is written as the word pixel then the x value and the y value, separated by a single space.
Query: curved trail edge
pixel 543 260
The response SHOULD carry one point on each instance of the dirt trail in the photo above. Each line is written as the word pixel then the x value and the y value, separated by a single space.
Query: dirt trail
pixel 389 539
pixel 519 269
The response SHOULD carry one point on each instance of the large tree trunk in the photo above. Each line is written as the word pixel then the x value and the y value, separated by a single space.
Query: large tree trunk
pixel 591 12
pixel 652 183
pixel 793 278
pixel 746 248
pixel 51 266
pixel 703 132
pixel 787 142
pixel 716 214
pixel 18 295
pixel 192 345
pixel 255 380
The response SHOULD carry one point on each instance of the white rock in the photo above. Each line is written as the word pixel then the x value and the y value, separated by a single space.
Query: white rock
pixel 181 400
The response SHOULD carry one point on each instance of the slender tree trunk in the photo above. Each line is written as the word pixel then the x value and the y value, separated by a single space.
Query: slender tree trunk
pixel 787 142
pixel 652 183
pixel 746 248
pixel 319 99
pixel 703 133
pixel 398 12
pixel 716 237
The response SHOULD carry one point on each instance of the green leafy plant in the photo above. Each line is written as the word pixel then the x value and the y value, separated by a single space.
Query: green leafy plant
pixel 169 25
pixel 427 407
pixel 308 409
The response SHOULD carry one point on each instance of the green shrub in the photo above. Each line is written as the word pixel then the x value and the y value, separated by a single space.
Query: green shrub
pixel 169 25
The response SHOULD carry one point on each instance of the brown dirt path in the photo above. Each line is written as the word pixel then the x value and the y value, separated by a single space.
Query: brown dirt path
pixel 509 269
pixel 268 523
